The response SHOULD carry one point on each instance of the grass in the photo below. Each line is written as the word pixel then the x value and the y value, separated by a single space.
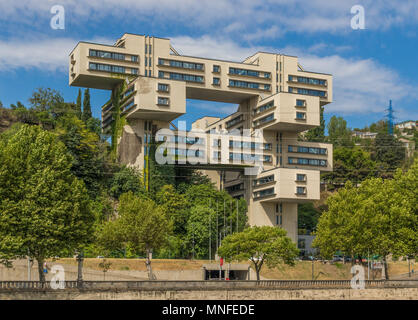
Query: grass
pixel 301 271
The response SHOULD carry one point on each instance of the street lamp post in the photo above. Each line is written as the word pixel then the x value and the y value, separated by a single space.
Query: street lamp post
pixel 80 259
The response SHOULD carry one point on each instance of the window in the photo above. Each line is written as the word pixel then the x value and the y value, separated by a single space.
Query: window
pixel 268 118
pixel 216 68
pixel 128 106
pixel 235 188
pixel 267 75
pixel 244 72
pixel 216 81
pixel 244 84
pixel 300 103
pixel 134 58
pixel 150 49
pixel 308 162
pixel 128 92
pixel 185 65
pixel 264 107
pixel 318 82
pixel 163 101
pixel 300 190
pixel 303 149
pixel 150 64
pixel 161 61
pixel 263 180
pixel 106 67
pixel 263 193
pixel 300 177
pixel 309 92
pixel 186 77
pixel 163 87
pixel 134 70
pixel 106 55
pixel 300 115
pixel 234 121
pixel 161 74
pixel 267 158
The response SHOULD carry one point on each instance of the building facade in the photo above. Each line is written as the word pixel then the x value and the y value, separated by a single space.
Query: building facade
pixel 150 82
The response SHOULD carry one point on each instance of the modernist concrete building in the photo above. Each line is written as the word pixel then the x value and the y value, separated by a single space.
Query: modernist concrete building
pixel 150 83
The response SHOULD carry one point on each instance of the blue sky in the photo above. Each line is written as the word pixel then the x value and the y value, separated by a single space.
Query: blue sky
pixel 370 66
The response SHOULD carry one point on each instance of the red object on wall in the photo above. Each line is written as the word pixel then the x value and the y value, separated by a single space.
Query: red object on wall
pixel 221 261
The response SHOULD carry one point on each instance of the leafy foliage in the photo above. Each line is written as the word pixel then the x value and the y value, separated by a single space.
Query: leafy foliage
pixel 261 245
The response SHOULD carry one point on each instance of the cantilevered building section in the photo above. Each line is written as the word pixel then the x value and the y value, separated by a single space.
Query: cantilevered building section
pixel 150 83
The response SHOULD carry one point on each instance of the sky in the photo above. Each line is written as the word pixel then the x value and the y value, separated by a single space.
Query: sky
pixel 370 66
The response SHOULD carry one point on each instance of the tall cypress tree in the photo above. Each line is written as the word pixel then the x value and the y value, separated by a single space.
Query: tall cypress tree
pixel 86 106
pixel 78 105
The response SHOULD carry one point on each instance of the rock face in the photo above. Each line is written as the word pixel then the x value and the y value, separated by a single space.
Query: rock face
pixel 129 147
pixel 7 119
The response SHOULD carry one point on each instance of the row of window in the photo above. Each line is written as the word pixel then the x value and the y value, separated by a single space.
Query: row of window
pixel 110 55
pixel 263 193
pixel 182 152
pixel 306 161
pixel 128 106
pixel 302 149
pixel 246 72
pixel 249 157
pixel 181 64
pixel 250 85
pixel 263 180
pixel 183 139
pixel 110 68
pixel 234 121
pixel 236 187
pixel 181 76
pixel 308 80
pixel 264 107
pixel 309 92
pixel 246 145
pixel 128 92
pixel 268 118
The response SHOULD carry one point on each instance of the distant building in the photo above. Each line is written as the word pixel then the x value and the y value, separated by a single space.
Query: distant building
pixel 364 135
pixel 305 245
pixel 406 125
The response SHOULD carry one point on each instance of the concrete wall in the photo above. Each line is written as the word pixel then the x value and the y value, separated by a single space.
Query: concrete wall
pixel 230 294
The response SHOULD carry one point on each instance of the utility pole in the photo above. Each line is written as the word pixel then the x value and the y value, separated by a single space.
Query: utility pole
pixel 210 235
pixel 217 225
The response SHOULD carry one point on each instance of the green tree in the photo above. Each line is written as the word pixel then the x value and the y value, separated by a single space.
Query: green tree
pixel 317 134
pixel 338 132
pixel 87 151
pixel 44 208
pixel 388 151
pixel 86 106
pixel 125 180
pixel 379 217
pixel 350 163
pixel 308 216
pixel 261 245
pixel 78 105
pixel 142 225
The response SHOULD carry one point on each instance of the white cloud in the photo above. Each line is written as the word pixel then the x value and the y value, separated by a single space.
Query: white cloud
pixel 45 54
pixel 238 17
pixel 360 86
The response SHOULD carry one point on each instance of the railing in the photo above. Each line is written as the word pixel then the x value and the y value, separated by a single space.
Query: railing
pixel 206 285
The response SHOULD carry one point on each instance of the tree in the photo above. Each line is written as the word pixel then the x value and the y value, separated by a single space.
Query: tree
pixel 317 134
pixel 78 105
pixel 48 105
pixel 388 150
pixel 125 180
pixel 350 163
pixel 261 245
pixel 44 208
pixel 87 152
pixel 338 133
pixel 308 216
pixel 379 217
pixel 142 225
pixel 86 106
